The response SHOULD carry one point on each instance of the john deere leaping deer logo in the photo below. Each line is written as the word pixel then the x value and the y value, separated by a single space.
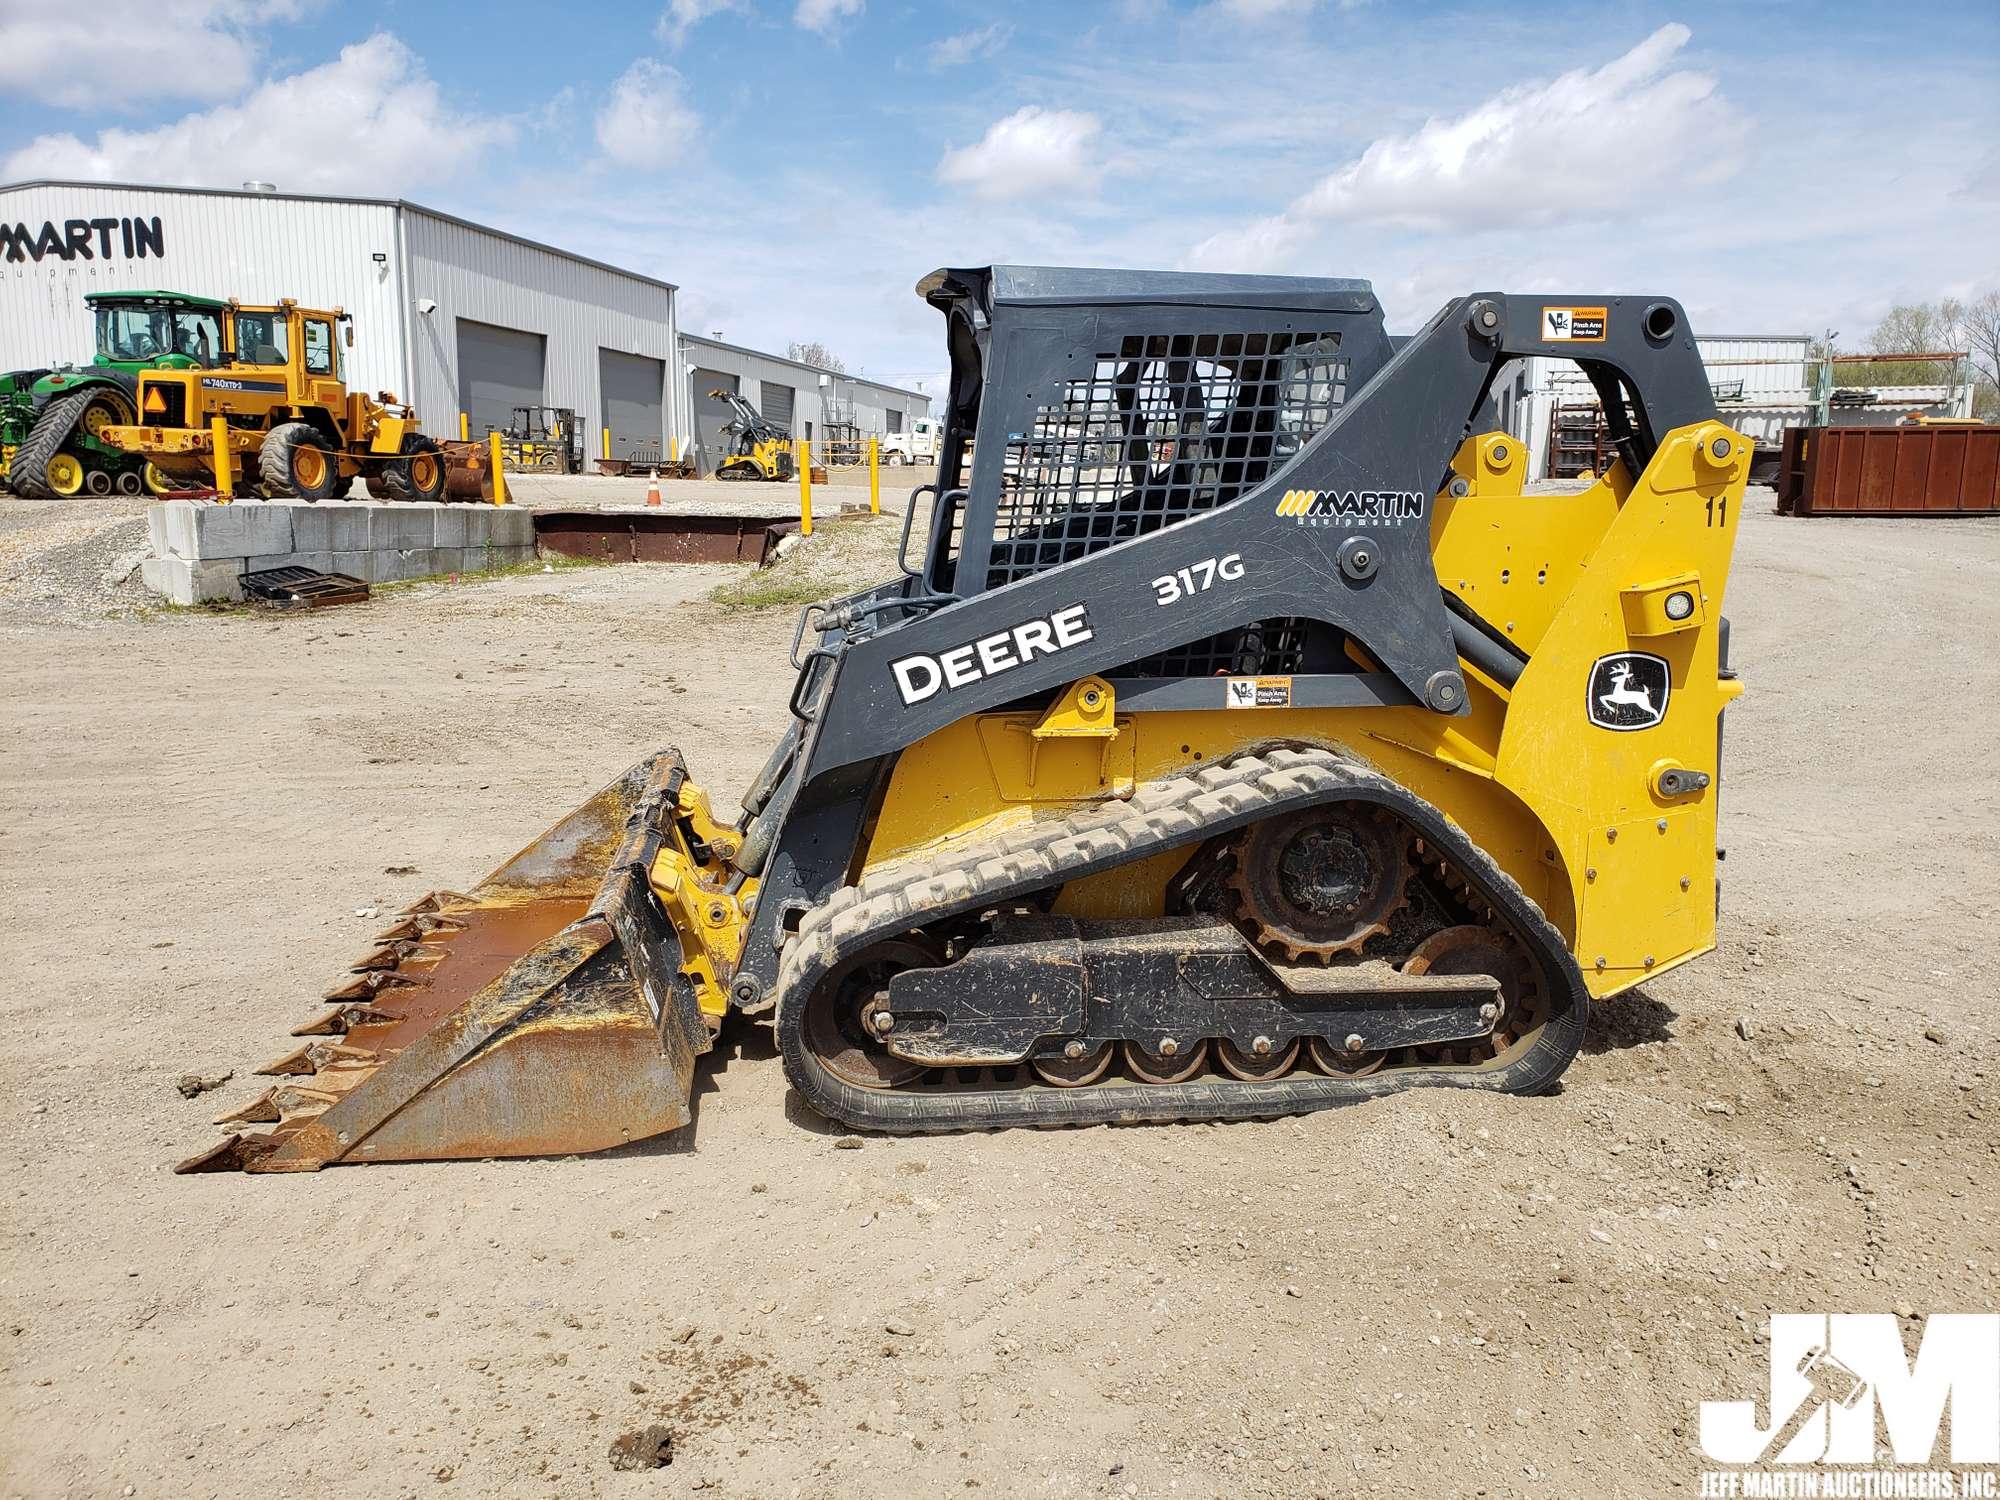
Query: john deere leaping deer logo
pixel 1628 691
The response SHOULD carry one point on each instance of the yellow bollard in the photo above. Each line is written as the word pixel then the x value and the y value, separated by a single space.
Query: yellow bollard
pixel 607 442
pixel 464 428
pixel 218 435
pixel 499 474
pixel 874 476
pixel 677 448
pixel 805 489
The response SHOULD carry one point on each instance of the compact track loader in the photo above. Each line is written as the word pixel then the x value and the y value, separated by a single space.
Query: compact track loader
pixel 1243 741
pixel 758 447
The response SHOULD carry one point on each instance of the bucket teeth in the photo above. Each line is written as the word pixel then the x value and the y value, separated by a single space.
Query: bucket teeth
pixel 368 984
pixel 233 1153
pixel 394 954
pixel 408 928
pixel 312 1057
pixel 342 1019
pixel 263 1110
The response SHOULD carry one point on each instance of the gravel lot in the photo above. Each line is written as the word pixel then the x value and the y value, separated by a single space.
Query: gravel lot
pixel 1436 1294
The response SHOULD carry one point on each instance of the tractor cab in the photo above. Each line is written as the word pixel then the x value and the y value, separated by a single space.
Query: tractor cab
pixel 157 330
pixel 52 425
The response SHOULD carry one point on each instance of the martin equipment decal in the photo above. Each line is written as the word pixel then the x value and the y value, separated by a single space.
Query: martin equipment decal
pixel 1573 325
pixel 84 239
pixel 1333 507
pixel 1628 691
pixel 920 677
pixel 1257 692
pixel 229 383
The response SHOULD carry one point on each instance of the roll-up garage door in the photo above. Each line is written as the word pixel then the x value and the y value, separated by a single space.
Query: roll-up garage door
pixel 776 403
pixel 711 416
pixel 498 370
pixel 634 405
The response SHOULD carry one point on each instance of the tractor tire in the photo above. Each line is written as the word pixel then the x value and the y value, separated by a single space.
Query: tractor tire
pixel 296 462
pixel 159 482
pixel 418 476
pixel 29 471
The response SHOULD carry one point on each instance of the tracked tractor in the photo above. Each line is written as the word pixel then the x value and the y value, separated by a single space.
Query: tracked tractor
pixel 52 422
pixel 289 424
pixel 1240 738
pixel 758 447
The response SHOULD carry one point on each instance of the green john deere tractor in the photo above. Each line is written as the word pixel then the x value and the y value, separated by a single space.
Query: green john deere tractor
pixel 50 419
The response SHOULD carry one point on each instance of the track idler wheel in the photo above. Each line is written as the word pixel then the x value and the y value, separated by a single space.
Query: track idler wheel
pixel 1472 949
pixel 1180 1064
pixel 1252 1066
pixel 1066 1072
pixel 1321 882
pixel 1339 1062
pixel 840 1019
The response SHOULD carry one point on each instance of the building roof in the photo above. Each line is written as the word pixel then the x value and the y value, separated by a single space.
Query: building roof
pixel 796 364
pixel 395 203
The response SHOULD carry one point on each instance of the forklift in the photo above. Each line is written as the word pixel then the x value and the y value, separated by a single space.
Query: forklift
pixel 543 439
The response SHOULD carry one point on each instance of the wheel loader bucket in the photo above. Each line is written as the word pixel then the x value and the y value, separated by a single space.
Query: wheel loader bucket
pixel 543 1012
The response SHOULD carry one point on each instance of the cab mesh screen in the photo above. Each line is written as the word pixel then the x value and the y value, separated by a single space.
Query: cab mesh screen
pixel 1163 427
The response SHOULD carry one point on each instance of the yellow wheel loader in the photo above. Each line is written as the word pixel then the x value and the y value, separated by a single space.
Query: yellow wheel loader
pixel 292 429
pixel 758 447
pixel 1241 739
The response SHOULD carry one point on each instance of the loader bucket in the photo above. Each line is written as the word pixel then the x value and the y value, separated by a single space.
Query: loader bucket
pixel 543 1012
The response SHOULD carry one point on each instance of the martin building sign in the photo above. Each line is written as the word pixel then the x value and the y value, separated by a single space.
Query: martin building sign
pixel 83 239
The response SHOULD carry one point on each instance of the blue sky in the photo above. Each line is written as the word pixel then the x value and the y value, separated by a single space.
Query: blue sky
pixel 796 165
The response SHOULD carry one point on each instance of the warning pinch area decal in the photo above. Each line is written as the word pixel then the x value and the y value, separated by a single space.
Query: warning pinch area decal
pixel 1257 692
pixel 1573 325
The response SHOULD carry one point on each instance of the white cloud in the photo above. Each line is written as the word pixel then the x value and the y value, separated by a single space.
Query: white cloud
pixel 682 16
pixel 1032 150
pixel 1264 10
pixel 1581 146
pixel 646 123
pixel 952 51
pixel 115 52
pixel 371 121
pixel 822 15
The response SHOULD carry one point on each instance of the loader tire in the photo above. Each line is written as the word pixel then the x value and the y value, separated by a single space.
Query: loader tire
pixel 296 463
pixel 418 475
pixel 29 470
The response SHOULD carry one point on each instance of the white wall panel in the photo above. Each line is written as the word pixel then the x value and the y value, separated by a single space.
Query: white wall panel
pixel 254 247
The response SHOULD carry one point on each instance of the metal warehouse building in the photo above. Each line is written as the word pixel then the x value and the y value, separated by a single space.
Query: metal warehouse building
pixel 798 396
pixel 450 315
pixel 1763 383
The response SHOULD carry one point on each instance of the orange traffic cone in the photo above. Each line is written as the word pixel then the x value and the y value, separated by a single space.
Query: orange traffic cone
pixel 653 489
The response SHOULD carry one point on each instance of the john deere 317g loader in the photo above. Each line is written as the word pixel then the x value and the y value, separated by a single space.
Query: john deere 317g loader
pixel 1241 741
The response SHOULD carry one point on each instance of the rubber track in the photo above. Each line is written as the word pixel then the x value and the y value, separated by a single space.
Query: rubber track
pixel 1160 815
pixel 29 471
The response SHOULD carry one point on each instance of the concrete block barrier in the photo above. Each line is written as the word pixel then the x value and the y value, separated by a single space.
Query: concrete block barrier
pixel 200 552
